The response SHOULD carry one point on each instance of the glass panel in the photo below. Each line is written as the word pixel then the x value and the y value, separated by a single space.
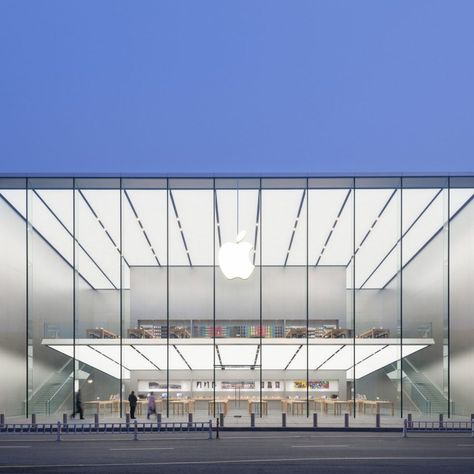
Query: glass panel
pixel 50 319
pixel 98 280
pixel 425 296
pixel 144 294
pixel 191 289
pixel 284 299
pixel 461 253
pixel 377 297
pixel 330 296
pixel 13 296
pixel 237 298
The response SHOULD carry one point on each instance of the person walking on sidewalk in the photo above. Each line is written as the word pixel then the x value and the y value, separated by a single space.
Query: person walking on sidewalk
pixel 79 410
pixel 151 406
pixel 132 399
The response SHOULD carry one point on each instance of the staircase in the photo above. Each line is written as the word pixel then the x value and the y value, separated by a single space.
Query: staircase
pixel 52 394
pixel 437 402
pixel 426 397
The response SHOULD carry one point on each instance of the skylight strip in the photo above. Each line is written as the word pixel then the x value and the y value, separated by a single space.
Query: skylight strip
pixel 430 239
pixel 182 357
pixel 218 222
pixel 142 227
pixel 294 355
pixel 108 357
pixel 103 227
pixel 294 227
pixel 398 241
pixel 146 358
pixel 256 355
pixel 333 227
pixel 180 228
pixel 47 242
pixel 368 357
pixel 75 239
pixel 257 225
pixel 219 356
pixel 329 358
pixel 373 225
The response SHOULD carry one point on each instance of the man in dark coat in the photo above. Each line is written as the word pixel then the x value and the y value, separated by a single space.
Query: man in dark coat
pixel 132 399
pixel 78 409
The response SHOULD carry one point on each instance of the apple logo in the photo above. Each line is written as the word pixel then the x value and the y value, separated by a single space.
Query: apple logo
pixel 234 258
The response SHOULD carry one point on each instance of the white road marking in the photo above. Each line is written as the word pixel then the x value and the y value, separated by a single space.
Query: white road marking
pixel 13 447
pixel 246 461
pixel 136 449
pixel 322 446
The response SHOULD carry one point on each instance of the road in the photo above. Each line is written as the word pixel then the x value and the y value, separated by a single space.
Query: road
pixel 238 453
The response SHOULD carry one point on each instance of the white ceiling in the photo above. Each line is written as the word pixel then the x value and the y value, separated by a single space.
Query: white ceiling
pixel 195 354
pixel 326 238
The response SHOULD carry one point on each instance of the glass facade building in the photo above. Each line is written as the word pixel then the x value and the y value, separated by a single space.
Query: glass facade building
pixel 237 295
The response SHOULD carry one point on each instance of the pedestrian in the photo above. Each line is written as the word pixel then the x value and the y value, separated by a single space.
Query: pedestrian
pixel 78 409
pixel 151 406
pixel 132 399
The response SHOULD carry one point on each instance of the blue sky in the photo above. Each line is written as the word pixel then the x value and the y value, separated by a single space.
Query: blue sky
pixel 257 86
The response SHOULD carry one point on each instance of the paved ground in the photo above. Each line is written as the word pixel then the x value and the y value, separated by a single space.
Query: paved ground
pixel 239 452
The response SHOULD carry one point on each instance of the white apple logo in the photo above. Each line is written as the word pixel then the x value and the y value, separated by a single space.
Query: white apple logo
pixel 234 258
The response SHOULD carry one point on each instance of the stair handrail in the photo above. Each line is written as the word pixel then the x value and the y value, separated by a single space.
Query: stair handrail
pixel 48 402
pixel 46 381
pixel 426 377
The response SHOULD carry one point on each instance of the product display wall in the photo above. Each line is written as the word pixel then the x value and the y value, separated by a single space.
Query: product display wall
pixel 332 287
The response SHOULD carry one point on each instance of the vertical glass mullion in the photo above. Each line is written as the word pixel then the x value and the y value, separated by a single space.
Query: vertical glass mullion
pixel 448 291
pixel 260 297
pixel 121 295
pixel 353 296
pixel 167 300
pixel 401 296
pixel 214 297
pixel 73 294
pixel 27 292
pixel 307 298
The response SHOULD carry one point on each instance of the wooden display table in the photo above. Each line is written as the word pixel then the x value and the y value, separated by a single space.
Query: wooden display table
pixel 374 406
pixel 375 333
pixel 99 405
pixel 221 406
pixel 257 407
pixel 293 407
pixel 338 405
pixel 100 333
pixel 181 407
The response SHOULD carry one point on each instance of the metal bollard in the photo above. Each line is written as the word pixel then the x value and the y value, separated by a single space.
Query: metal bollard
pixel 472 428
pixel 221 419
pixel 252 420
pixel 64 418
pixel 33 419
pixel 472 416
pixel 217 429
pixel 127 419
pixel 190 417
pixel 283 420
pixel 409 419
pixel 315 420
pixel 377 420
pixel 441 421
pixel 58 432
pixel 2 418
pixel 405 425
pixel 96 421
pixel 210 429
pixel 346 420
pixel 135 431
